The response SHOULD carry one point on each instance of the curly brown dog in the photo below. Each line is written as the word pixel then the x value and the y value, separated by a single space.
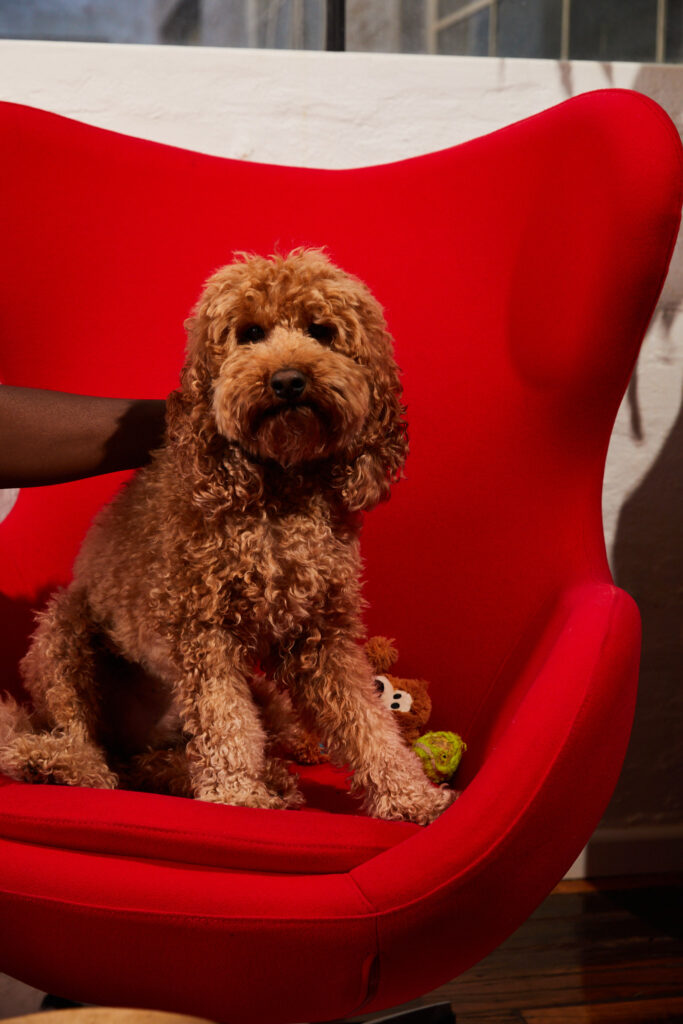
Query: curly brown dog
pixel 236 548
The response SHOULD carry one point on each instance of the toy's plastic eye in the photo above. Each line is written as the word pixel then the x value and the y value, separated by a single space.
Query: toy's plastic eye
pixel 250 333
pixel 324 333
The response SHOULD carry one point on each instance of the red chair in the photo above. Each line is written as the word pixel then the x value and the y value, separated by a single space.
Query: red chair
pixel 518 273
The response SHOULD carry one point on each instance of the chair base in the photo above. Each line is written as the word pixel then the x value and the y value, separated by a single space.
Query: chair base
pixel 437 1013
pixel 58 1003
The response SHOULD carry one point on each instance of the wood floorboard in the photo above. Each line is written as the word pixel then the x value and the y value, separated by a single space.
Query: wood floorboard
pixel 646 1011
pixel 536 990
pixel 590 954
pixel 494 1017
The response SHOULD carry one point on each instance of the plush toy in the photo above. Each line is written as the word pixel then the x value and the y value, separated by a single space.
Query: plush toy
pixel 440 753
pixel 407 698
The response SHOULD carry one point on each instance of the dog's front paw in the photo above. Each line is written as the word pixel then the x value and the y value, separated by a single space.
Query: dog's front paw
pixel 440 799
pixel 420 806
pixel 279 779
pixel 242 793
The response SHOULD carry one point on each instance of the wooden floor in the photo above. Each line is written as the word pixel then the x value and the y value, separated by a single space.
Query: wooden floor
pixel 605 953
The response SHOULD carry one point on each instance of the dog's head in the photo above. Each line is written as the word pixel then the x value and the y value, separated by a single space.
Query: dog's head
pixel 289 361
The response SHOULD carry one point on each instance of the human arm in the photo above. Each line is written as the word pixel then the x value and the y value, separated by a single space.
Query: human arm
pixel 49 437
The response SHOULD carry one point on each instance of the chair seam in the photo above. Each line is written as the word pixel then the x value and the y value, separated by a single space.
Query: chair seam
pixel 133 912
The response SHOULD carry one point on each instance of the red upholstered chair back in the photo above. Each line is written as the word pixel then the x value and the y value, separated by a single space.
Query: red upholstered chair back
pixel 517 271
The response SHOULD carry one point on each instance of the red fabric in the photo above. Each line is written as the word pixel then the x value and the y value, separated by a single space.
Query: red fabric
pixel 135 932
pixel 518 273
pixel 166 828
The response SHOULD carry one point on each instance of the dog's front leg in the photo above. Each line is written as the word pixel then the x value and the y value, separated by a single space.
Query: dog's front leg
pixel 225 738
pixel 333 688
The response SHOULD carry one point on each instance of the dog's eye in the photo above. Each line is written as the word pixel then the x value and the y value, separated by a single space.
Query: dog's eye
pixel 250 333
pixel 324 333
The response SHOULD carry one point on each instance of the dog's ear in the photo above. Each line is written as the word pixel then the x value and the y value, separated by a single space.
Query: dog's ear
pixel 365 480
pixel 218 472
pixel 206 329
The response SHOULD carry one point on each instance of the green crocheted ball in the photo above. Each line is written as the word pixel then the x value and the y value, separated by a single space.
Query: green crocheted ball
pixel 440 753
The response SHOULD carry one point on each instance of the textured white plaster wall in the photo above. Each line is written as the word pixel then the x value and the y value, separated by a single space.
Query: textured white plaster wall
pixel 342 110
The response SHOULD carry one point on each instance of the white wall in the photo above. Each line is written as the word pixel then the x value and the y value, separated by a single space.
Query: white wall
pixel 343 110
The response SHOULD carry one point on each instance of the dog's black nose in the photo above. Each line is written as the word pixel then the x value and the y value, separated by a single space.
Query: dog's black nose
pixel 288 384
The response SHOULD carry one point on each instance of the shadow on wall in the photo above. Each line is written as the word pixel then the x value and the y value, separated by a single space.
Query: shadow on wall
pixel 648 563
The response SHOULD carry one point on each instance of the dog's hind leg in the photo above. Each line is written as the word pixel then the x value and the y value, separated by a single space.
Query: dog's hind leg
pixel 59 673
pixel 56 757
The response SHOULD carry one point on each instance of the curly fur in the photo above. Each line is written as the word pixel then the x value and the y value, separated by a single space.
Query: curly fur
pixel 414 703
pixel 236 549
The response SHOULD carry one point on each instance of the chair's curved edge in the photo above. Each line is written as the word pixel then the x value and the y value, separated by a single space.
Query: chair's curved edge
pixel 489 877
pixel 628 153
pixel 18 116
pixel 607 98
pixel 604 615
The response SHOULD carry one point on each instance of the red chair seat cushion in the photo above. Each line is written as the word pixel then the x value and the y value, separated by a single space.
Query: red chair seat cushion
pixel 147 826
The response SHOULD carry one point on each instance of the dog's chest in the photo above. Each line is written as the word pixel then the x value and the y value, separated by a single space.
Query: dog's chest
pixel 285 571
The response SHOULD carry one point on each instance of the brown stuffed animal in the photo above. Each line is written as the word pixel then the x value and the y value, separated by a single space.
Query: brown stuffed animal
pixel 408 698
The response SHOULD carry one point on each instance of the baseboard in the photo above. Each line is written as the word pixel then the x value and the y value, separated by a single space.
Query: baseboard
pixel 640 850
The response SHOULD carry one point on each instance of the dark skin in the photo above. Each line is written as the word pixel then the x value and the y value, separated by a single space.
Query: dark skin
pixel 51 437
